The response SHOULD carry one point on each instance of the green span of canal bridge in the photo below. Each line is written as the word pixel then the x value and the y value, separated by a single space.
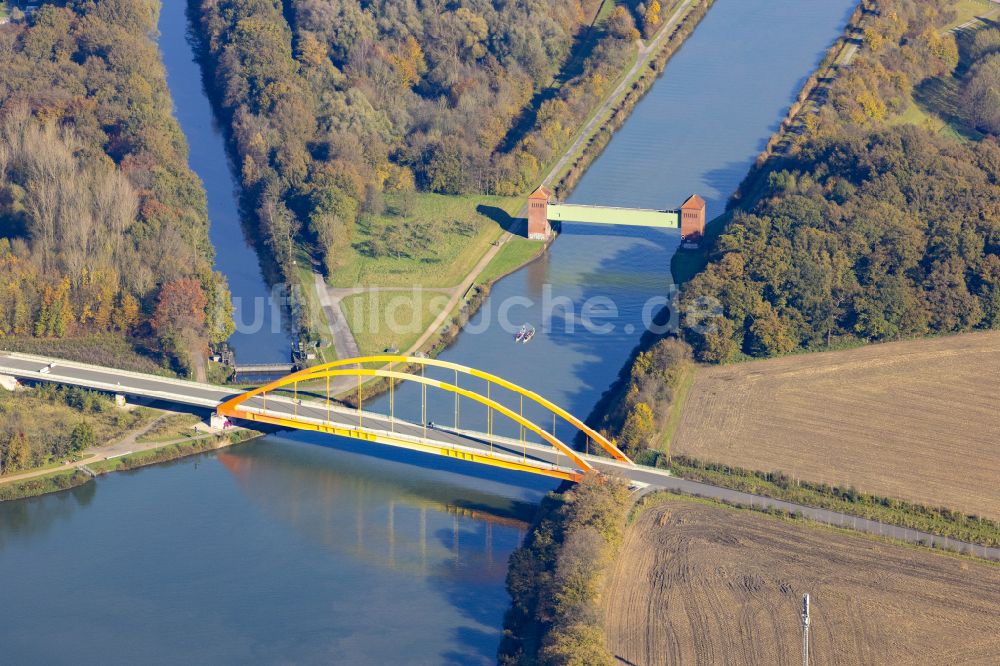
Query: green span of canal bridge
pixel 689 218
pixel 635 217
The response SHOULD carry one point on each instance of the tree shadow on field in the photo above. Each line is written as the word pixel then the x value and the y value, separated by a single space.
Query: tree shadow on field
pixel 503 219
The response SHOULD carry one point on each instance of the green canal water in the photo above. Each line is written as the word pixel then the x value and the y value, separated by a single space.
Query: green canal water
pixel 301 549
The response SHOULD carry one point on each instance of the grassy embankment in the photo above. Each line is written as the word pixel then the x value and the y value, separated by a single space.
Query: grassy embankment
pixel 105 349
pixel 454 233
pixel 47 426
pixel 171 428
pixel 173 451
pixel 448 235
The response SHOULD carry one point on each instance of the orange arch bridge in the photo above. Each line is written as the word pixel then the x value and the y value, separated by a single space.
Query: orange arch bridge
pixel 310 405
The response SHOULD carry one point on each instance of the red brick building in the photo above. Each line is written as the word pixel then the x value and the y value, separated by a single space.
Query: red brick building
pixel 538 213
pixel 693 219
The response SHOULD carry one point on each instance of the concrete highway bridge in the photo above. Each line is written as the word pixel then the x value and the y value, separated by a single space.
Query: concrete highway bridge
pixel 280 403
pixel 303 401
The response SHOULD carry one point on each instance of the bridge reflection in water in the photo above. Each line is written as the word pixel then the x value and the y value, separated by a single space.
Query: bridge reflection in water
pixel 427 530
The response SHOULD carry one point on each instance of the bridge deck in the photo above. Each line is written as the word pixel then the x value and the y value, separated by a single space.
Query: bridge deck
pixel 635 217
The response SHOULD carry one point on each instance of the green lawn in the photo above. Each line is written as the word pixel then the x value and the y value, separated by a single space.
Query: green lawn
pixel 460 229
pixel 380 320
pixel 515 253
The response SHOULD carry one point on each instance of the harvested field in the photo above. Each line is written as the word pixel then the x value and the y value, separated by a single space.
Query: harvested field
pixel 917 420
pixel 703 584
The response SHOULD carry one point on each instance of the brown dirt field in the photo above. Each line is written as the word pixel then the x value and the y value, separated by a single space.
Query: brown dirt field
pixel 917 420
pixel 700 584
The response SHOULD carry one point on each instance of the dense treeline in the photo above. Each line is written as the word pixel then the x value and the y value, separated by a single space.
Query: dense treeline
pixel 556 579
pixel 431 88
pixel 870 237
pixel 356 99
pixel 639 411
pixel 863 231
pixel 99 212
pixel 981 89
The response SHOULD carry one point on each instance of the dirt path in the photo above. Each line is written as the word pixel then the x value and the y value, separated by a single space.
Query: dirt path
pixel 698 584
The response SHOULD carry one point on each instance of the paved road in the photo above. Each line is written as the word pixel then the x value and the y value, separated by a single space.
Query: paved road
pixel 206 395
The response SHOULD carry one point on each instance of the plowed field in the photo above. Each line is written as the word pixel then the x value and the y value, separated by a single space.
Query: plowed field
pixel 699 584
pixel 914 420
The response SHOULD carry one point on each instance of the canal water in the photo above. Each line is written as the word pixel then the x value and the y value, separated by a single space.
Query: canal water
pixel 310 550
pixel 263 332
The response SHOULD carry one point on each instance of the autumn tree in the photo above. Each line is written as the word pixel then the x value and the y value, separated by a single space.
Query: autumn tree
pixel 652 18
pixel 639 428
pixel 981 95
pixel 180 306
pixel 17 453
pixel 621 24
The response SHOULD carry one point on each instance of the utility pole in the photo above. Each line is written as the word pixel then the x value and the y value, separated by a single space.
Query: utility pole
pixel 805 629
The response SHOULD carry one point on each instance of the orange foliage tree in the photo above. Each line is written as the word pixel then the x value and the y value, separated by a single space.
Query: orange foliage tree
pixel 181 307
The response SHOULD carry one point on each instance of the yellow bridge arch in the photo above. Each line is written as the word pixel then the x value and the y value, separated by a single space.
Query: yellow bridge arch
pixel 324 417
